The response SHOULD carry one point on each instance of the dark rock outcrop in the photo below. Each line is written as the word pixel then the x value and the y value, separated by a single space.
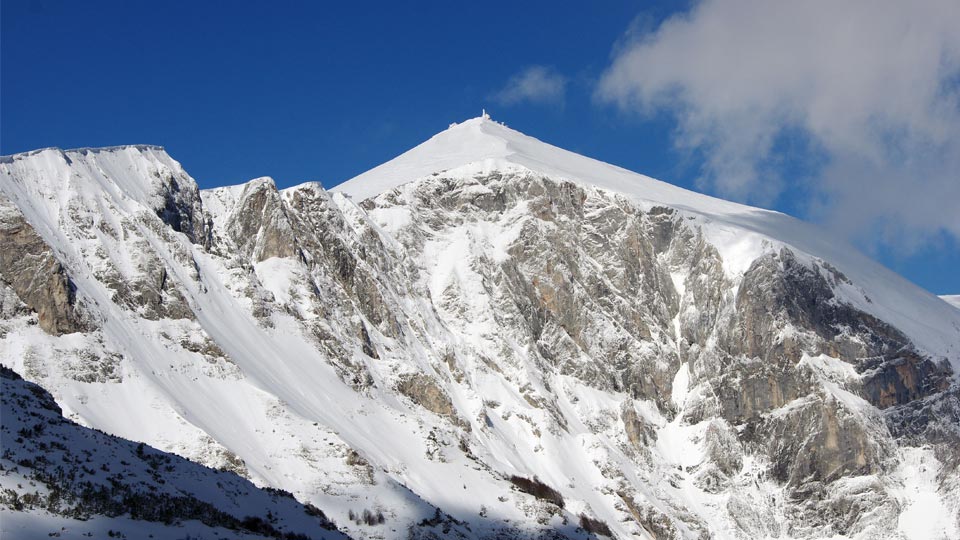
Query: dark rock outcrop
pixel 182 208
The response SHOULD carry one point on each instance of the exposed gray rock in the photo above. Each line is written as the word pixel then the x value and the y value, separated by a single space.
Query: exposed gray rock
pixel 29 266
pixel 904 378
pixel 818 441
pixel 259 225
pixel 724 448
pixel 152 292
pixel 640 434
pixel 182 207
pixel 424 391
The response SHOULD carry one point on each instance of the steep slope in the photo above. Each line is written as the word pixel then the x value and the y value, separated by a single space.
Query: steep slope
pixel 488 336
pixel 61 473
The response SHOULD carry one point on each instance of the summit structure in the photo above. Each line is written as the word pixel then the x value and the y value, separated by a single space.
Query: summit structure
pixel 485 337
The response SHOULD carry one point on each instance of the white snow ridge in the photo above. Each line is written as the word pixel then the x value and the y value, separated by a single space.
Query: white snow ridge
pixel 486 337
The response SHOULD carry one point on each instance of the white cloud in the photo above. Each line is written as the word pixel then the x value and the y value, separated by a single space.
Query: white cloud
pixel 870 87
pixel 535 84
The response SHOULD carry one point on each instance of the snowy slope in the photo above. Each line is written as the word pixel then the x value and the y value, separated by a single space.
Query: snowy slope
pixel 53 467
pixel 740 232
pixel 468 344
pixel 952 299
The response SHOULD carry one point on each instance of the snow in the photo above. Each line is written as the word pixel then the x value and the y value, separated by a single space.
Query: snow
pixel 392 219
pixel 678 442
pixel 952 299
pixel 35 460
pixel 681 386
pixel 834 375
pixel 925 515
pixel 41 524
pixel 497 147
pixel 741 233
pixel 279 277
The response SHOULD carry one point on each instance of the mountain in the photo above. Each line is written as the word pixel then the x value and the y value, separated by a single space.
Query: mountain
pixel 487 336
pixel 952 299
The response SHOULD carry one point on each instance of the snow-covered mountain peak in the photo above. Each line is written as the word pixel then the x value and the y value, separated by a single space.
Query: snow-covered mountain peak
pixel 496 147
pixel 261 182
pixel 471 141
pixel 741 233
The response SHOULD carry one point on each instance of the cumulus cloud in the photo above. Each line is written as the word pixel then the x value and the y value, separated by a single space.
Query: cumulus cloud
pixel 861 95
pixel 535 84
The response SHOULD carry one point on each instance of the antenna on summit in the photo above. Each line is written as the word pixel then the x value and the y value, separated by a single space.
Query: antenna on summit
pixel 484 114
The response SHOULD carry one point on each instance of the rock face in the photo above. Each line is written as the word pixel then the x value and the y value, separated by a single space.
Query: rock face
pixel 668 365
pixel 426 393
pixel 29 267
pixel 182 208
pixel 259 225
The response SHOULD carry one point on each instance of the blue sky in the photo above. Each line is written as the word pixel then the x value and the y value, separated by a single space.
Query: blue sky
pixel 307 91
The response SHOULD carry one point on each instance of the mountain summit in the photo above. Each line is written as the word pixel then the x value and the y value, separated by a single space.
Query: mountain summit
pixel 482 144
pixel 486 337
